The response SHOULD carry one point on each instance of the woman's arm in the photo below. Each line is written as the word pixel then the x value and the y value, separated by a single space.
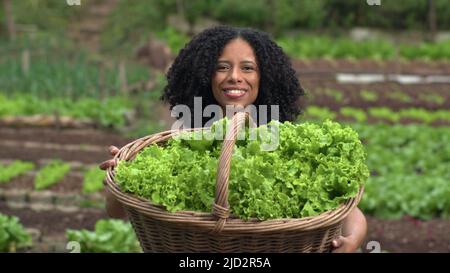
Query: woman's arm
pixel 113 207
pixel 354 231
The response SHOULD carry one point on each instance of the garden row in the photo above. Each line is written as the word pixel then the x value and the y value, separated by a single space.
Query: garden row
pixel 313 47
pixel 109 112
pixel 379 115
pixel 406 96
pixel 108 236
pixel 52 173
pixel 116 112
pixel 54 186
pixel 324 67
pixel 410 174
pixel 395 96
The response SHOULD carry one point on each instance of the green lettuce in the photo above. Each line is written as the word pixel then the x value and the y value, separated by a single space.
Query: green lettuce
pixel 314 168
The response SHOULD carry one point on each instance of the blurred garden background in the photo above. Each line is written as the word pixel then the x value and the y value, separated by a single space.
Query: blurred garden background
pixel 78 76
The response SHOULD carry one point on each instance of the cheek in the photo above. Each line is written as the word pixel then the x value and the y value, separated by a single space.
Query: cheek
pixel 254 81
pixel 216 80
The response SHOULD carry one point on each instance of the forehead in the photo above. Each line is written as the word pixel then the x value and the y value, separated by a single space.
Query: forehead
pixel 238 49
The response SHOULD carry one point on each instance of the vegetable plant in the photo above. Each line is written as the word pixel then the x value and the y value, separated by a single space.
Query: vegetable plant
pixel 16 168
pixel 51 174
pixel 110 236
pixel 93 180
pixel 13 236
pixel 314 169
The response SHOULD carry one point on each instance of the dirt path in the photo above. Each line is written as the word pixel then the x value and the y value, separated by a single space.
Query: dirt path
pixel 35 144
pixel 65 136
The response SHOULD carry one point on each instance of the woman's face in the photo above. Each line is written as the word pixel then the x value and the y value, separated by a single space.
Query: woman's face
pixel 236 77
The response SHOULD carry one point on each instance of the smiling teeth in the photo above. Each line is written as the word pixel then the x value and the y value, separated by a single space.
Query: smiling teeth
pixel 235 91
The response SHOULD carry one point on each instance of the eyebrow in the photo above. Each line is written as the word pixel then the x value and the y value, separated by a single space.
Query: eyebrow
pixel 246 61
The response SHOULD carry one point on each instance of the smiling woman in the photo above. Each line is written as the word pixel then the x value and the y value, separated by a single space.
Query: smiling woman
pixel 230 66
pixel 236 78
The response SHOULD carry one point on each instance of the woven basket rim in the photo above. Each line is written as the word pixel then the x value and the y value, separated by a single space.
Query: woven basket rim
pixel 206 221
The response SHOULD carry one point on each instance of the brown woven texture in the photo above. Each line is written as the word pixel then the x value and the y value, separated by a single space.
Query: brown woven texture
pixel 186 231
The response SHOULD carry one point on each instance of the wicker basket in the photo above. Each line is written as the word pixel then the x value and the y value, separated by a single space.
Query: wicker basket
pixel 186 231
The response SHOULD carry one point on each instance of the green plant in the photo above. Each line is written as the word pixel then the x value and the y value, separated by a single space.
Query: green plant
pixel 425 50
pixel 336 94
pixel 109 112
pixel 319 113
pixel 433 98
pixel 417 113
pixel 110 236
pixel 424 115
pixel 442 115
pixel 410 170
pixel 93 180
pixel 53 16
pixel 98 204
pixel 70 74
pixel 399 96
pixel 175 40
pixel 384 113
pixel 321 46
pixel 16 168
pixel 368 95
pixel 358 114
pixel 51 174
pixel 314 168
pixel 13 236
pixel 236 12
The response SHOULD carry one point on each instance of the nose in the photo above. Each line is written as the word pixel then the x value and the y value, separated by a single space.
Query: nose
pixel 235 75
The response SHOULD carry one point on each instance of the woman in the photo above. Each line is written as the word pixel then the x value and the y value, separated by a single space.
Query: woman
pixel 240 66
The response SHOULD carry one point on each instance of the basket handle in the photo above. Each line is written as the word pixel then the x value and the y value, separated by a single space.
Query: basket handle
pixel 221 208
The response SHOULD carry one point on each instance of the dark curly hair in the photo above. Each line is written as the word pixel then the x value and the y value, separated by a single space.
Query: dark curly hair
pixel 191 72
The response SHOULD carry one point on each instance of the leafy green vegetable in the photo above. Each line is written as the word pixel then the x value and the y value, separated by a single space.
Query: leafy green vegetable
pixel 110 236
pixel 399 96
pixel 420 115
pixel 314 169
pixel 12 234
pixel 410 170
pixel 319 113
pixel 107 112
pixel 93 180
pixel 358 114
pixel 51 174
pixel 16 168
pixel 367 95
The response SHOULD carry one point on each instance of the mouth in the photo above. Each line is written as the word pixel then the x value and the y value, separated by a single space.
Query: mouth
pixel 234 93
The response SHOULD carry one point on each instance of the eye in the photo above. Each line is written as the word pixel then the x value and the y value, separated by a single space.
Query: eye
pixel 247 68
pixel 222 67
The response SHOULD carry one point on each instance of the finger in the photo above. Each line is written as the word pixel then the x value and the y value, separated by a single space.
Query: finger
pixel 337 242
pixel 113 150
pixel 106 164
pixel 339 245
